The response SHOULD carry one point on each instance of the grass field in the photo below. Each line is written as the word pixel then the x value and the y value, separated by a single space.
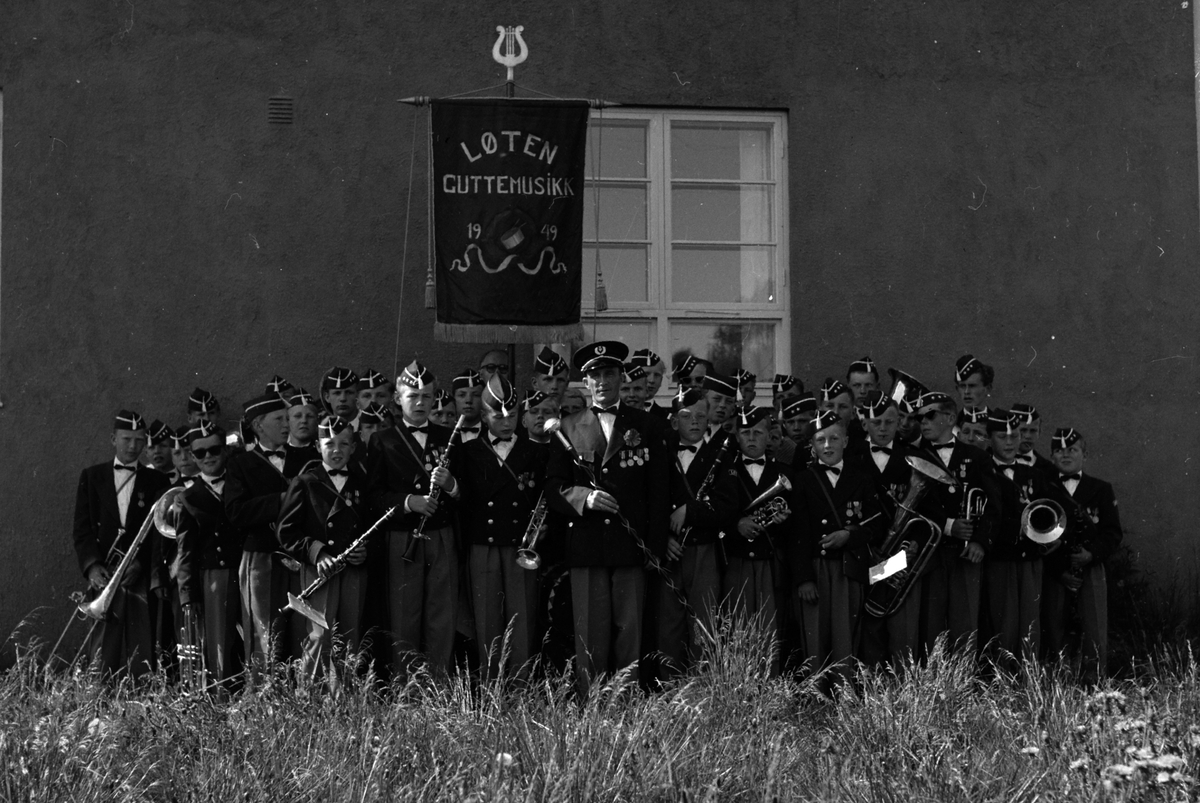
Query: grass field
pixel 945 732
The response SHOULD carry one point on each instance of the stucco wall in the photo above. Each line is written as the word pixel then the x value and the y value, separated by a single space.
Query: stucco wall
pixel 158 234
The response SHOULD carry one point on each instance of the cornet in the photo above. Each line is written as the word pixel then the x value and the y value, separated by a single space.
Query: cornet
pixel 527 558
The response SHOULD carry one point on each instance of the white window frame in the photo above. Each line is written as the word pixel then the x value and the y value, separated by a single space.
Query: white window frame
pixel 658 308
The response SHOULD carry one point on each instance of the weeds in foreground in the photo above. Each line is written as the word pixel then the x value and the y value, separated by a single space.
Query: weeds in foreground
pixel 932 731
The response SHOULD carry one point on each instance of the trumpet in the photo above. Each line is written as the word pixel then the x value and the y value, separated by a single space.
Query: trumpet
pixel 764 507
pixel 527 558
pixel 435 492
pixel 887 592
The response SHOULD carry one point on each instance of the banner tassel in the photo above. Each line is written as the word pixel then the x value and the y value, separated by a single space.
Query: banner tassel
pixel 601 294
pixel 430 292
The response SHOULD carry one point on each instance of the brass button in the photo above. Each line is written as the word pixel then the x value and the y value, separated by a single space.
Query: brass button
pixel 824 521
pixel 751 554
pixel 608 521
pixel 491 503
pixel 490 540
pixel 489 521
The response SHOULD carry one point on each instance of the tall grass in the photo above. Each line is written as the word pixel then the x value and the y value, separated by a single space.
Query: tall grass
pixel 728 731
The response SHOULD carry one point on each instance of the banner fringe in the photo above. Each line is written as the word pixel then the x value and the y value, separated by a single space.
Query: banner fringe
pixel 504 333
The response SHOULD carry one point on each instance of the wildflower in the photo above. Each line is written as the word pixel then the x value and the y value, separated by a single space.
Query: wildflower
pixel 1143 753
pixel 1167 762
pixel 504 759
pixel 1130 725
pixel 1080 763
pixel 1031 750
pixel 1119 771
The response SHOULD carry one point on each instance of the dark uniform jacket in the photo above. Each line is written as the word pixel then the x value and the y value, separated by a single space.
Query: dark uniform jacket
pixel 204 539
pixel 498 498
pixel 893 482
pixel 315 516
pixel 296 458
pixel 1094 504
pixel 634 467
pixel 856 507
pixel 706 518
pixel 764 547
pixel 1026 485
pixel 98 518
pixel 972 470
pixel 397 466
pixel 253 490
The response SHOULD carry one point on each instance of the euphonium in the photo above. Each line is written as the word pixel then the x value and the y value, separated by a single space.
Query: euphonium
pixel 763 508
pixel 98 608
pixel 886 596
pixel 527 558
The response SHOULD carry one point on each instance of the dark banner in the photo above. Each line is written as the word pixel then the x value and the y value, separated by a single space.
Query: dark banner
pixel 508 219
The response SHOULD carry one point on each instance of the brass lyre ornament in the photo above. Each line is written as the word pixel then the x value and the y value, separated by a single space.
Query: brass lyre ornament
pixel 515 49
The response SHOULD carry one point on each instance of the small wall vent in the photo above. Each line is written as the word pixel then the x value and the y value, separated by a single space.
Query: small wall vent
pixel 281 110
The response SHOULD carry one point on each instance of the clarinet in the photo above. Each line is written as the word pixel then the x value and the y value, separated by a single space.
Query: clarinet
pixel 706 485
pixel 435 492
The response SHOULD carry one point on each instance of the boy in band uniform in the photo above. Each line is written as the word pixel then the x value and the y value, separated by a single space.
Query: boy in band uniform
pixel 1013 572
pixel 690 372
pixel 181 457
pixel 1076 572
pixel 1031 429
pixel 655 369
pixel 374 388
pixel 897 637
pixel 973 381
pixel 158 450
pixel 538 407
pixel 339 392
pixel 625 482
pixel 322 514
pixel 255 483
pixel 503 477
pixel 973 427
pixel 633 386
pixel 969 513
pixel 746 386
pixel 909 431
pixel 302 415
pixel 749 578
pixel 467 388
pixel 692 548
pixel 550 373
pixel 720 392
pixel 111 503
pixel 444 412
pixel 796 448
pixel 371 419
pixel 863 378
pixel 835 522
pixel 202 405
pixel 209 551
pixel 403 467
pixel 783 388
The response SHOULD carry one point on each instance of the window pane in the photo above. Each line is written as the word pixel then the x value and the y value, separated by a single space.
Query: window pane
pixel 622 213
pixel 723 273
pixel 721 151
pixel 728 345
pixel 618 148
pixel 624 268
pixel 635 334
pixel 721 213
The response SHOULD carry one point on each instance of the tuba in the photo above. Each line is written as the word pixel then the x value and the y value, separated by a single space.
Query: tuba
pixel 904 385
pixel 911 534
pixel 98 608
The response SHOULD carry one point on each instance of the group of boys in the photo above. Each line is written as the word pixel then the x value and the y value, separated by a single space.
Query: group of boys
pixel 419 511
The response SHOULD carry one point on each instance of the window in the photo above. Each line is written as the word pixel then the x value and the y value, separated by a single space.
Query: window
pixel 690 235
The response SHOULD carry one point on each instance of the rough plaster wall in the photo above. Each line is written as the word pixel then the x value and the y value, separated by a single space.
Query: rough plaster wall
pixel 158 234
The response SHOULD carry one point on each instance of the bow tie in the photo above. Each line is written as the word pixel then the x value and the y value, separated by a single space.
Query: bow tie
pixel 424 428
pixel 834 470
pixel 751 461
pixel 497 441
pixel 269 453
pixel 941 446
pixel 216 479
pixel 884 449
pixel 1025 459
pixel 685 448
pixel 1065 477
pixel 474 429
pixel 123 467
pixel 598 410
pixel 337 472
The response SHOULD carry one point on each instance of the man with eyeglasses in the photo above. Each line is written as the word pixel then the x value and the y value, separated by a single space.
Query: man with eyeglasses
pixel 494 363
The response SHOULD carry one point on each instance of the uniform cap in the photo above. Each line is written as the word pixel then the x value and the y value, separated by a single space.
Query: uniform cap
pixel 645 358
pixel 261 405
pixel 337 378
pixel 277 384
pixel 750 416
pixel 535 397
pixel 415 376
pixel 634 372
pixel 371 379
pixel 721 384
pixel 863 365
pixel 973 415
pixel 833 388
pixel 1065 438
pixel 127 419
pixel 743 376
pixel 804 403
pixel 301 398
pixel 201 401
pixel 331 425
pixel 824 420
pixel 500 396
pixel 158 432
pixel 1000 420
pixel 373 413
pixel 1027 413
pixel 203 429
pixel 548 362
pixel 686 398
pixel 442 399
pixel 930 399
pixel 875 405
pixel 785 382
pixel 468 378
pixel 685 368
pixel 606 353
pixel 179 437
pixel 965 366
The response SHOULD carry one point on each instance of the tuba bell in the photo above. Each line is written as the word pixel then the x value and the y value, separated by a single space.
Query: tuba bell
pixel 904 385
pixel 911 534
pixel 1043 521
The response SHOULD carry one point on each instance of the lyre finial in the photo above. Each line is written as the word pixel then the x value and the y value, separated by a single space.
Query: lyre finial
pixel 515 49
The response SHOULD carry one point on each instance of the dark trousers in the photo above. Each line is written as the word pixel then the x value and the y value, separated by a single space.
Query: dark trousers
pixel 608 603
pixel 423 599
